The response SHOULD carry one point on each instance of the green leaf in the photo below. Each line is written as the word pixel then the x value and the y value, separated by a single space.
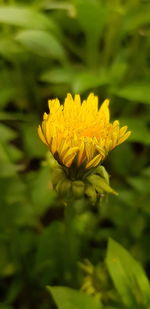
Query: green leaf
pixel 139 92
pixel 139 17
pixel 92 17
pixel 17 117
pixel 9 49
pixel 41 43
pixel 7 169
pixel 87 80
pixel 57 75
pixel 51 249
pixel 128 276
pixel 4 306
pixel 67 298
pixel 139 129
pixel 140 184
pixel 24 17
pixel 117 71
pixel 41 194
pixel 110 307
pixel 6 133
pixel 31 142
pixel 8 85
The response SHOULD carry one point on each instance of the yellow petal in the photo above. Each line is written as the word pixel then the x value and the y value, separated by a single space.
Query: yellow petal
pixel 124 137
pixel 92 103
pixel 53 105
pixel 80 154
pixel 123 131
pixel 108 143
pixel 53 145
pixel 100 150
pixel 77 100
pixel 89 149
pixel 63 148
pixel 44 126
pixel 70 160
pixel 41 135
pixel 116 123
pixel 114 139
pixel 69 153
pixel 95 161
pixel 45 116
pixel 104 111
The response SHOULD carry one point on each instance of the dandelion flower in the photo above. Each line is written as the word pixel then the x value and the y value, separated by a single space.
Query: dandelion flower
pixel 80 133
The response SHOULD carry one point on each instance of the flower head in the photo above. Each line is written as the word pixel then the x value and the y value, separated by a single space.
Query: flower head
pixel 80 132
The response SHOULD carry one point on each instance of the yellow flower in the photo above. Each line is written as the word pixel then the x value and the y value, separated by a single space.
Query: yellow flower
pixel 80 133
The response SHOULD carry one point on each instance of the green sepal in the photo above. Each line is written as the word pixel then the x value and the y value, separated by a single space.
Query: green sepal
pixel 90 193
pixel 78 187
pixel 63 187
pixel 100 184
pixel 58 175
pixel 103 173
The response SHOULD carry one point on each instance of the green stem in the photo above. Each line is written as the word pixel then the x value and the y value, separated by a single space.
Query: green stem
pixel 71 239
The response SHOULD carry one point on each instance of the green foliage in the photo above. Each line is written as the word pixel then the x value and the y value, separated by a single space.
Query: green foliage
pixel 67 298
pixel 127 276
pixel 24 17
pixel 49 48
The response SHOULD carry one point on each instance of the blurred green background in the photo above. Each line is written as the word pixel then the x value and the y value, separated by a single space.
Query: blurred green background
pixel 49 48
